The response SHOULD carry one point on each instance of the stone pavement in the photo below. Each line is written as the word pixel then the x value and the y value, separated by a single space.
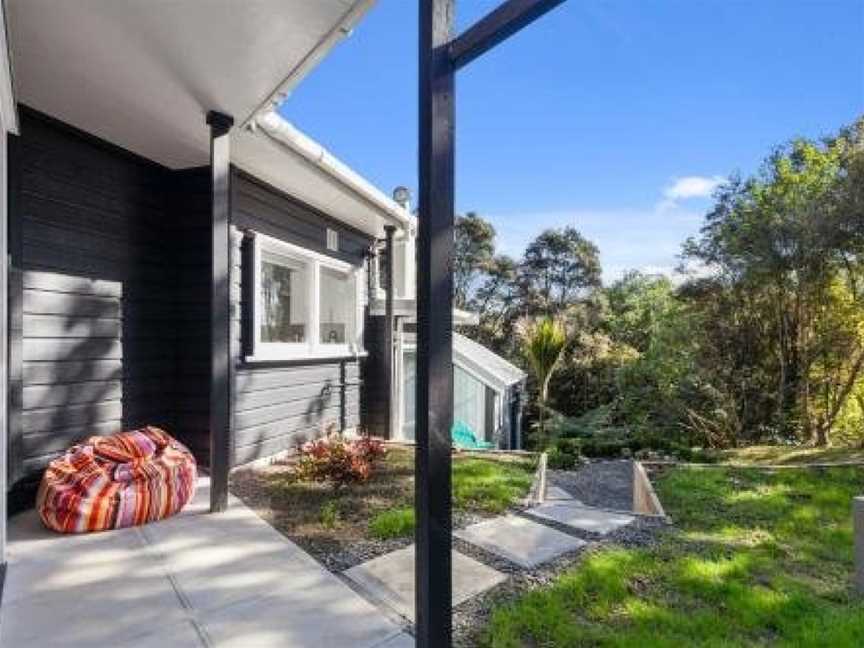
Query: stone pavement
pixel 389 579
pixel 193 580
pixel 545 532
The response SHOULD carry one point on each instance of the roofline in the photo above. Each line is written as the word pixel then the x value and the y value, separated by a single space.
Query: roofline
pixel 284 133
pixel 8 110
pixel 341 30
pixel 483 373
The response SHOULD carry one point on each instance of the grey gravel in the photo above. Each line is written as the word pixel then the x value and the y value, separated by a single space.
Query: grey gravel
pixel 604 484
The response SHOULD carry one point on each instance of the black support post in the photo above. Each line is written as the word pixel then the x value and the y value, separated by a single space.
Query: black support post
pixel 389 231
pixel 435 328
pixel 220 322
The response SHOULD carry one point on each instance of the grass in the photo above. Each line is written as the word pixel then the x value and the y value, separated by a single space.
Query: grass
pixel 393 524
pixel 323 520
pixel 791 455
pixel 757 557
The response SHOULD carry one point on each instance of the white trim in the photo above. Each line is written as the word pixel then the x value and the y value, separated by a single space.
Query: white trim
pixel 340 31
pixel 312 348
pixel 283 133
pixel 8 110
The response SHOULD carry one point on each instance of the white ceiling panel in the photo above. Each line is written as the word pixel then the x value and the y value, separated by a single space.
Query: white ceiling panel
pixel 143 73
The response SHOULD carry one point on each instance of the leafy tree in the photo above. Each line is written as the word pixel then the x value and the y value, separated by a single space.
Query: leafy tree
pixel 560 269
pixel 473 254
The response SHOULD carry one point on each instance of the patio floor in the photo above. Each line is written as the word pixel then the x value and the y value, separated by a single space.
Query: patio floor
pixel 193 580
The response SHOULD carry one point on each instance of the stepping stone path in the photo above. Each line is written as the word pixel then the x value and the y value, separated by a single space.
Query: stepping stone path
pixel 520 540
pixel 556 494
pixel 390 579
pixel 580 517
pixel 560 525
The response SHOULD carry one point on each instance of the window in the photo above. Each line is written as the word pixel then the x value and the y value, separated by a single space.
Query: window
pixel 306 304
pixel 284 307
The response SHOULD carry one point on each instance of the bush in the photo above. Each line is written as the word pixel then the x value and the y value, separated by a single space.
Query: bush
pixel 394 523
pixel 565 454
pixel 338 461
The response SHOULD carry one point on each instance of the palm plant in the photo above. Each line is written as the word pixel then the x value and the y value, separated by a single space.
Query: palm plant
pixel 543 343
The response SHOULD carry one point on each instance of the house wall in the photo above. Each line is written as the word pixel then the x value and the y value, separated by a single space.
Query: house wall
pixel 276 405
pixel 92 336
pixel 191 217
pixel 375 384
pixel 110 304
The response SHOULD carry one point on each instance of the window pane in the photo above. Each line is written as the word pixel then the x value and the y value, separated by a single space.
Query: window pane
pixel 469 402
pixel 284 308
pixel 337 306
pixel 409 394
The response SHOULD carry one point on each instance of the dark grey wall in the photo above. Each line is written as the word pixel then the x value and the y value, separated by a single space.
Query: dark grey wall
pixel 92 292
pixel 190 209
pixel 278 405
pixel 109 304
pixel 375 383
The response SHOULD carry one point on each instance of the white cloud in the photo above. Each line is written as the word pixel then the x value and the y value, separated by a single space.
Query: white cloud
pixel 686 188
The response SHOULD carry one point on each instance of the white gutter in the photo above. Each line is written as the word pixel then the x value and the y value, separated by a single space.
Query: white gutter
pixel 342 29
pixel 284 133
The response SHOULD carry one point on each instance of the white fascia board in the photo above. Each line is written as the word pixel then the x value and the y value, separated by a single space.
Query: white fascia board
pixel 8 110
pixel 342 29
pixel 280 130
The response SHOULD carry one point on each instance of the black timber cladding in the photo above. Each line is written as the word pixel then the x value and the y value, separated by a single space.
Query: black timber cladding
pixel 110 304
pixel 93 341
pixel 278 405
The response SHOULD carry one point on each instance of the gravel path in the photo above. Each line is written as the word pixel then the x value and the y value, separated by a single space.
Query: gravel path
pixel 604 484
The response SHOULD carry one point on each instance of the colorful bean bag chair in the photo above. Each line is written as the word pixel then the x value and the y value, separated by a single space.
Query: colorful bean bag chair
pixel 117 481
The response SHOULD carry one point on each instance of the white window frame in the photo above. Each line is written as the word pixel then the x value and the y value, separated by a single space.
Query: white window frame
pixel 312 348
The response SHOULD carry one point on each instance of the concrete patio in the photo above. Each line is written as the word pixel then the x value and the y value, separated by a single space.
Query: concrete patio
pixel 190 581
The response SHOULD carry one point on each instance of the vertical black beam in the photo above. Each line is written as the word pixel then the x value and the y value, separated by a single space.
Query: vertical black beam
pixel 435 328
pixel 220 323
pixel 389 231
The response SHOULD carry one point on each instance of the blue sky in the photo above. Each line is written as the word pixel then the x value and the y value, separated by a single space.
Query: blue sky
pixel 617 117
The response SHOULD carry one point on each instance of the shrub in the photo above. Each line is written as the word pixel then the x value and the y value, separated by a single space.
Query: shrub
pixel 338 461
pixel 565 454
pixel 394 523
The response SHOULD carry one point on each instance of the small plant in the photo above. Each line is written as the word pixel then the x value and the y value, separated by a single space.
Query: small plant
pixel 565 454
pixel 394 523
pixel 337 460
pixel 329 515
pixel 543 343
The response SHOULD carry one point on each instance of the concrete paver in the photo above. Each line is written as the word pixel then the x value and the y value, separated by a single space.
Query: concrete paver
pixel 581 517
pixel 519 540
pixel 194 580
pixel 390 579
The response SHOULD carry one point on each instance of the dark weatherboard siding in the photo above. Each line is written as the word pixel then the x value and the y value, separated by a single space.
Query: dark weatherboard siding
pixel 110 304
pixel 92 302
pixel 277 405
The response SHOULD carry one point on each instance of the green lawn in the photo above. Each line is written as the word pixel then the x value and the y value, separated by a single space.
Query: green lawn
pixel 755 558
pixel 480 485
pixel 790 455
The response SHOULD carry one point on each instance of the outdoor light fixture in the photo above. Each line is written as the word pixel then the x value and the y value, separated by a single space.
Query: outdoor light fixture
pixel 402 195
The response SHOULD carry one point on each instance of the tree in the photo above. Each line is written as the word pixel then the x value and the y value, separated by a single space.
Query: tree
pixel 779 242
pixel 473 253
pixel 559 269
pixel 543 343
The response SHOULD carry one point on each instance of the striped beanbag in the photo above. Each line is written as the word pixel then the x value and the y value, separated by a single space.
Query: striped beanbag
pixel 110 482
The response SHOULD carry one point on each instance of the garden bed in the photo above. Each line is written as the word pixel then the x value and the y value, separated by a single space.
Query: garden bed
pixel 345 527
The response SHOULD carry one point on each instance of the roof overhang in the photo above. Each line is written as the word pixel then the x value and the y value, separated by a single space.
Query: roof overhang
pixel 143 75
pixel 275 151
